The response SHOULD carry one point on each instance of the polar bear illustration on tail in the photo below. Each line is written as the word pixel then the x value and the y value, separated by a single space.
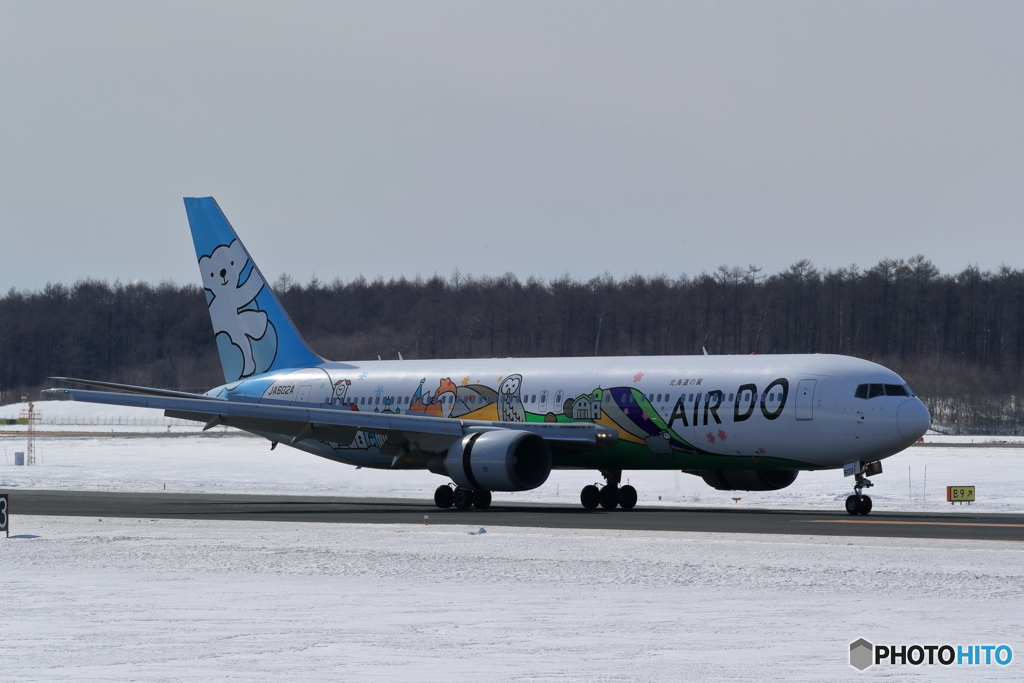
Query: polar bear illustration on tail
pixel 228 297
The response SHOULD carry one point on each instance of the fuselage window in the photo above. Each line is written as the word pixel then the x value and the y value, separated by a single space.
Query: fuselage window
pixel 558 399
pixel 691 398
pixel 659 398
pixel 771 396
pixel 730 398
pixel 608 397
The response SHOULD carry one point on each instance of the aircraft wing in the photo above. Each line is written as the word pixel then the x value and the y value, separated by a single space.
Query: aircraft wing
pixel 298 421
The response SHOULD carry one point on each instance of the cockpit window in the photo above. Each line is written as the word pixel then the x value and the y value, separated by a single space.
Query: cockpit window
pixel 872 390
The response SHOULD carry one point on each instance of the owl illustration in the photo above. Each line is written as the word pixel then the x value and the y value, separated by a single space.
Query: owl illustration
pixel 510 404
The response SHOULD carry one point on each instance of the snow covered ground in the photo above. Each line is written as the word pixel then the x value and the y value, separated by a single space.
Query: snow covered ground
pixel 236 463
pixel 169 600
pixel 74 416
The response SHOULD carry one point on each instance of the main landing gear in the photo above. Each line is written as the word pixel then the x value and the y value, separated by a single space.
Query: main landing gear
pixel 609 496
pixel 858 503
pixel 463 499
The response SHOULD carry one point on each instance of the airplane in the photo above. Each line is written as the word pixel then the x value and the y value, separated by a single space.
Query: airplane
pixel 740 422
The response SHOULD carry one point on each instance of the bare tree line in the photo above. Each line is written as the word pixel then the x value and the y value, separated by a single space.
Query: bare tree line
pixel 958 338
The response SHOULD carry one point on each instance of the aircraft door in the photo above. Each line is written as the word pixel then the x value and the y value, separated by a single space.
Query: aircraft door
pixel 303 394
pixel 805 399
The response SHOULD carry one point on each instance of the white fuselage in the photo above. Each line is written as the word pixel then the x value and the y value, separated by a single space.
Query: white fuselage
pixel 671 412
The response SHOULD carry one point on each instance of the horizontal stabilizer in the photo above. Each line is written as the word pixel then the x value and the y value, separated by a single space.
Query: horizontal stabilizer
pixel 149 391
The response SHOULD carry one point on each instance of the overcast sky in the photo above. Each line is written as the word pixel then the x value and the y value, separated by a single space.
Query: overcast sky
pixel 385 138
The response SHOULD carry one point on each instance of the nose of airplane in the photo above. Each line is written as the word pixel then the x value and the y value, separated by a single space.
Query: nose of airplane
pixel 912 419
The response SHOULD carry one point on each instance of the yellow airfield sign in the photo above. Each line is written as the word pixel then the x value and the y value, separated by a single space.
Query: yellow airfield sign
pixel 960 494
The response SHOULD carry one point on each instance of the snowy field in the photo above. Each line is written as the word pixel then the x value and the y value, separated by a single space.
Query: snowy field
pixel 175 600
pixel 236 463
pixel 125 449
pixel 169 600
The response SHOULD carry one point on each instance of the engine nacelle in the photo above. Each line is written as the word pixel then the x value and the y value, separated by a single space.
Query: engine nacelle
pixel 499 460
pixel 747 480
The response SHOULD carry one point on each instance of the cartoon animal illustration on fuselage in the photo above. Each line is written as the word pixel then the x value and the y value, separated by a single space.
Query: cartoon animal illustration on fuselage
pixel 221 272
pixel 445 396
pixel 510 404
pixel 659 443
pixel 340 394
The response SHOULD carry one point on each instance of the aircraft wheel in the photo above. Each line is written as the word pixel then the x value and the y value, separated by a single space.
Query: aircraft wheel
pixel 865 505
pixel 609 497
pixel 444 497
pixel 463 499
pixel 627 497
pixel 482 499
pixel 590 496
pixel 852 505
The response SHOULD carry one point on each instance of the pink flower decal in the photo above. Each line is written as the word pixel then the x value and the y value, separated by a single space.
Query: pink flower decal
pixel 638 376
pixel 721 434
pixel 711 437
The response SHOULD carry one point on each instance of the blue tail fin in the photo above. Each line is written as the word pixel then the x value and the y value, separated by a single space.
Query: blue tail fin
pixel 254 334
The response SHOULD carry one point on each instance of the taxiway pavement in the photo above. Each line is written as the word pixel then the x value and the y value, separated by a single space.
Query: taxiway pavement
pixel 279 508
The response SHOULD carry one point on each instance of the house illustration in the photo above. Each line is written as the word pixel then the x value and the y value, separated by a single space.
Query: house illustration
pixel 587 407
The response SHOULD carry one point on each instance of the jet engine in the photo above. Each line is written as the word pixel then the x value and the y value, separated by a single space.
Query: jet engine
pixel 747 480
pixel 498 460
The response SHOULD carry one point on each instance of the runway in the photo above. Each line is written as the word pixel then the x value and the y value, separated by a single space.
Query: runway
pixel 278 508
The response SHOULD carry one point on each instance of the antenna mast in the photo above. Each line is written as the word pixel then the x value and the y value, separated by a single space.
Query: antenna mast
pixel 30 416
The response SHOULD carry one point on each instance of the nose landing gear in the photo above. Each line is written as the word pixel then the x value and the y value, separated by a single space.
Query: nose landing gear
pixel 859 503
